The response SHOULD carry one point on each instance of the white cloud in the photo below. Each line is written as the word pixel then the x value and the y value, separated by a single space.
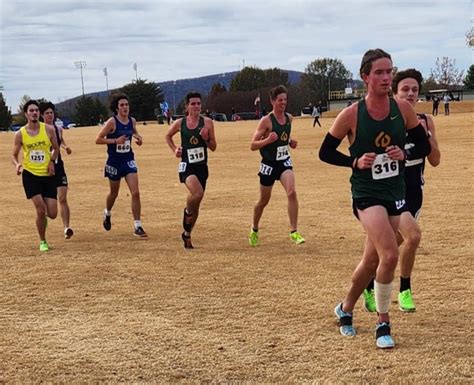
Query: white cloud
pixel 40 40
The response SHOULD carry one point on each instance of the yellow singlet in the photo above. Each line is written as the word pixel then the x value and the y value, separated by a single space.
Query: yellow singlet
pixel 36 151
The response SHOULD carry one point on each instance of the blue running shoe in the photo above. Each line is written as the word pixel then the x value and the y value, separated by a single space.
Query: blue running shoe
pixel 382 336
pixel 345 321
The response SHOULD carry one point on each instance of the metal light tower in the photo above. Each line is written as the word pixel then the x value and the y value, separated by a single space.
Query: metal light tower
pixel 174 98
pixel 106 79
pixel 81 64
pixel 135 67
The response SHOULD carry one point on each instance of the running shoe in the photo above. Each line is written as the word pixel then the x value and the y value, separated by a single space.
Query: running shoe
pixel 107 222
pixel 187 241
pixel 44 246
pixel 369 300
pixel 405 301
pixel 253 237
pixel 297 238
pixel 345 321
pixel 68 233
pixel 140 233
pixel 383 338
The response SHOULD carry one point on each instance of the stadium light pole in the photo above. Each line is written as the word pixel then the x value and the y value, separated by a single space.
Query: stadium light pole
pixel 135 67
pixel 174 98
pixel 81 65
pixel 106 79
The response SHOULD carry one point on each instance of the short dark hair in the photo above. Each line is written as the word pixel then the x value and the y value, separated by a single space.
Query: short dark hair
pixel 275 91
pixel 370 56
pixel 29 103
pixel 45 105
pixel 114 99
pixel 409 73
pixel 192 94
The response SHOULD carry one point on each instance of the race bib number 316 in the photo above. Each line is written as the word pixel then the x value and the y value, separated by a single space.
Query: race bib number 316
pixel 384 167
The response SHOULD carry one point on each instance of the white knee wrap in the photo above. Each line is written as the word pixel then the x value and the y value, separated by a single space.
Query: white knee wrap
pixel 383 292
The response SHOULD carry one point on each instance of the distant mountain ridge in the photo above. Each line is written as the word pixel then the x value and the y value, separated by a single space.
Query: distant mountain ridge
pixel 175 90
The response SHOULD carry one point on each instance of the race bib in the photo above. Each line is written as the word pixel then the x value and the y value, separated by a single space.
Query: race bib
pixel 265 170
pixel 182 166
pixel 282 152
pixel 384 167
pixel 37 156
pixel 196 154
pixel 123 148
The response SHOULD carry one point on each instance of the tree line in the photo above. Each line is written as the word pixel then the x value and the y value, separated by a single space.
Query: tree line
pixel 319 78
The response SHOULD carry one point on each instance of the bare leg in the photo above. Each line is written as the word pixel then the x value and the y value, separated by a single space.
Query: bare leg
pixel 113 193
pixel 381 230
pixel 132 182
pixel 194 198
pixel 63 206
pixel 265 195
pixel 411 234
pixel 287 179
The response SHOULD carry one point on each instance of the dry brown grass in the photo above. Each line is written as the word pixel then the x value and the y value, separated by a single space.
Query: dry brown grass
pixel 104 306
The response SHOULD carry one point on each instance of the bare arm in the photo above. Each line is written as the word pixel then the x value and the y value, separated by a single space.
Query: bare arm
pixel 173 130
pixel 55 148
pixel 16 152
pixel 435 155
pixel 136 135
pixel 263 135
pixel 63 142
pixel 208 134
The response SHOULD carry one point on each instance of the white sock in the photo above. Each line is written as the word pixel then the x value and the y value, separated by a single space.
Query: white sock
pixel 383 293
pixel 107 212
pixel 137 224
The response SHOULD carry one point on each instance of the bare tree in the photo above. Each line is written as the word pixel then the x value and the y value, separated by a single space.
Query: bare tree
pixel 470 38
pixel 445 73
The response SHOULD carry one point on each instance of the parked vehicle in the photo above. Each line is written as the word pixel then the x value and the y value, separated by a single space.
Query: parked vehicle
pixel 219 117
pixel 307 111
pixel 15 127
pixel 245 116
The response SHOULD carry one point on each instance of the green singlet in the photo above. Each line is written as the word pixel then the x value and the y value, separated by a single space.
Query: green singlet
pixel 385 180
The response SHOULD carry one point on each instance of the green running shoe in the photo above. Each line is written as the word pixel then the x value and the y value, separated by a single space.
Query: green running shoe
pixel 405 301
pixel 44 246
pixel 369 300
pixel 253 237
pixel 297 238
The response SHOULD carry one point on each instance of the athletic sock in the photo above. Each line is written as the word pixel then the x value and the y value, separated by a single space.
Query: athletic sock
pixel 137 224
pixel 254 230
pixel 370 286
pixel 107 212
pixel 382 296
pixel 294 231
pixel 405 284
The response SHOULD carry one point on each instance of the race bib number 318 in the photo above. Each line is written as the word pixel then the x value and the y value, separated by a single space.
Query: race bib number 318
pixel 196 154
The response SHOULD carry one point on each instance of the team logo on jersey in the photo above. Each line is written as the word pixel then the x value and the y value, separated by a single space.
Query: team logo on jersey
pixel 383 140
pixel 194 140
pixel 284 137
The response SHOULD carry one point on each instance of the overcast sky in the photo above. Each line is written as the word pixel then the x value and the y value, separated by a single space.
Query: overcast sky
pixel 40 40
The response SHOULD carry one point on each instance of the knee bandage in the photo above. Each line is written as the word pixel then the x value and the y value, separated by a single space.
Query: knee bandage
pixel 383 292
